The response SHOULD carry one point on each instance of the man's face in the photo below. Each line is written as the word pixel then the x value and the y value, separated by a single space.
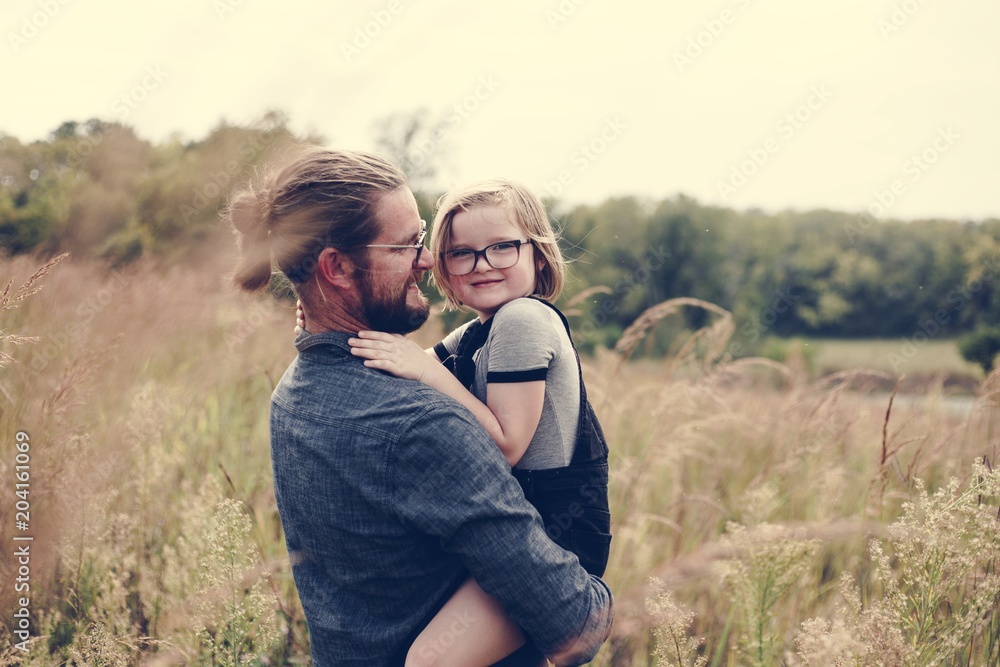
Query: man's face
pixel 391 300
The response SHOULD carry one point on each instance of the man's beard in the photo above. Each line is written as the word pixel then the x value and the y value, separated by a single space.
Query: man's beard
pixel 391 312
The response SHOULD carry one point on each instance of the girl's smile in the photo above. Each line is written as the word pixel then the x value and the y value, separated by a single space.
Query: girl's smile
pixel 485 289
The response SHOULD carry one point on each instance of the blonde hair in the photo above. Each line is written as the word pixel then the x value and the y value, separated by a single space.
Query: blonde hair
pixel 323 198
pixel 525 210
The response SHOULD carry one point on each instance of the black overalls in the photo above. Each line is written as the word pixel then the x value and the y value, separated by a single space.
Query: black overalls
pixel 572 500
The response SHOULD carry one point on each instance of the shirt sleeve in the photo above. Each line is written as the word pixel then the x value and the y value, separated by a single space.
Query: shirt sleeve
pixel 524 340
pixel 450 481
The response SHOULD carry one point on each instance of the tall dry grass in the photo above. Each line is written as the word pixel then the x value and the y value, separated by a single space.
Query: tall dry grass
pixel 783 517
pixel 749 505
pixel 156 538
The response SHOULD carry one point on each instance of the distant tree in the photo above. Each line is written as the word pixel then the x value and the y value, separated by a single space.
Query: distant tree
pixel 66 130
pixel 98 126
pixel 981 347
pixel 417 141
pixel 31 219
pixel 96 188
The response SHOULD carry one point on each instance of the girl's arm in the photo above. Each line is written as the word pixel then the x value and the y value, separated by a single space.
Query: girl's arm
pixel 510 414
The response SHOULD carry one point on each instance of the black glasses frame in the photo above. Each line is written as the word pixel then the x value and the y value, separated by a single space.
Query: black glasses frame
pixel 517 243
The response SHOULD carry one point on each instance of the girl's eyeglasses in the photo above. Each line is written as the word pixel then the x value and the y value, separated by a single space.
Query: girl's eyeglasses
pixel 502 255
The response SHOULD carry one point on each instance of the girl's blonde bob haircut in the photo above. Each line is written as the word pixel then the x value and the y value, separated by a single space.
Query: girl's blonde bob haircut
pixel 525 210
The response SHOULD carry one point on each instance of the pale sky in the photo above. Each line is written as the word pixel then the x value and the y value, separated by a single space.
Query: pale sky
pixel 743 103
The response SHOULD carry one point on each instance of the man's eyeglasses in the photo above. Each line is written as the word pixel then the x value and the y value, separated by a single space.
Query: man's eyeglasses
pixel 502 255
pixel 418 245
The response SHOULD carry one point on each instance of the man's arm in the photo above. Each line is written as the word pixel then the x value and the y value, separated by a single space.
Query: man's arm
pixel 449 480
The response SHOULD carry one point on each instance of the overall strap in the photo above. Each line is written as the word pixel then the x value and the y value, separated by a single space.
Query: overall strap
pixel 588 429
pixel 461 364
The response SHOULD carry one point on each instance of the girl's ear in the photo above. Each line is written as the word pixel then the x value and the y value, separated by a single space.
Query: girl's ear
pixel 540 265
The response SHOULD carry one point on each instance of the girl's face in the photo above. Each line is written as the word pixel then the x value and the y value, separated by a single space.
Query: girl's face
pixel 485 289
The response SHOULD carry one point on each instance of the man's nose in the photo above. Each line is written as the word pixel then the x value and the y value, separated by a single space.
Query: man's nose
pixel 426 261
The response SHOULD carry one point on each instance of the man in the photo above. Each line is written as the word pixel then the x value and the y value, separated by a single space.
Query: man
pixel 390 493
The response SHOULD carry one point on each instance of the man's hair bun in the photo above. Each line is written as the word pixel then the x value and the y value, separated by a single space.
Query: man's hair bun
pixel 248 213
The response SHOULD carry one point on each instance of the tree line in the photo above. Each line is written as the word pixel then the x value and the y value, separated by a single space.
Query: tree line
pixel 97 189
pixel 812 273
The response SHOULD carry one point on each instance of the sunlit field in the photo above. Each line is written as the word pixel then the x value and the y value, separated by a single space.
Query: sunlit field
pixel 763 514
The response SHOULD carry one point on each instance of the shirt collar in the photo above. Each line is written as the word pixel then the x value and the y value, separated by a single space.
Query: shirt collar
pixel 336 339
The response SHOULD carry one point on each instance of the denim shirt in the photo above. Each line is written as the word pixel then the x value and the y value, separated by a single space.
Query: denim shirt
pixel 390 494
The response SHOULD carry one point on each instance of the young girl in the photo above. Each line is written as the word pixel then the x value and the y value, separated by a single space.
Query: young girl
pixel 516 369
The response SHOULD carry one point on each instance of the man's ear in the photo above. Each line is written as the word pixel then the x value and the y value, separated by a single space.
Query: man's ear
pixel 335 268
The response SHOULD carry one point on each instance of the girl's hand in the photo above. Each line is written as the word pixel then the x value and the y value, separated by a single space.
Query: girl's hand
pixel 394 354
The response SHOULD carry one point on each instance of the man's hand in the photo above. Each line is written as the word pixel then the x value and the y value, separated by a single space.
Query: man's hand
pixel 395 354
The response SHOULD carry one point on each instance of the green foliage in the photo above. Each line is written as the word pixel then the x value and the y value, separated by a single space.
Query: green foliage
pixel 981 347
pixel 788 351
pixel 785 274
pixel 31 218
pixel 97 189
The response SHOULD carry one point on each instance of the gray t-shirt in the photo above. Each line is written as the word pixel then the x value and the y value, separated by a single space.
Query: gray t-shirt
pixel 529 342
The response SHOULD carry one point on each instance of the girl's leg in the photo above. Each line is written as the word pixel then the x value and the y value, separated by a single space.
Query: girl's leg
pixel 471 629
